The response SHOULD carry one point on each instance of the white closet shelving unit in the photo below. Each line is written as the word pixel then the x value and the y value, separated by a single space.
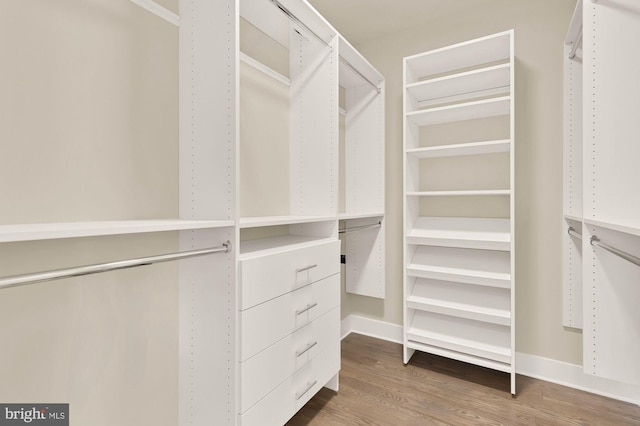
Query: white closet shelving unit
pixel 572 189
pixel 601 180
pixel 459 253
pixel 362 177
pixel 293 66
pixel 116 198
pixel 258 166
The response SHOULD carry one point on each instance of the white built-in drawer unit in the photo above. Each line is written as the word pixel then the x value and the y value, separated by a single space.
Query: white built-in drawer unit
pixel 289 323
pixel 282 402
pixel 286 356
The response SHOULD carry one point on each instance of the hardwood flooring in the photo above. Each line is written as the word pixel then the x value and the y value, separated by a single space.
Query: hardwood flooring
pixel 377 389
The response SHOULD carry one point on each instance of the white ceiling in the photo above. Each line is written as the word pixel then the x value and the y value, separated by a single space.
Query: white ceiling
pixel 360 21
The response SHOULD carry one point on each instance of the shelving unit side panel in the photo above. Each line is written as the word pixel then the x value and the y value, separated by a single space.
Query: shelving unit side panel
pixel 365 259
pixel 572 147
pixel 207 331
pixel 208 109
pixel 364 150
pixel 611 343
pixel 314 126
pixel 572 275
pixel 512 202
pixel 611 150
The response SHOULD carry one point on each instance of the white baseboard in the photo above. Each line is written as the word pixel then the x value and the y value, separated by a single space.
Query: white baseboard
pixel 549 370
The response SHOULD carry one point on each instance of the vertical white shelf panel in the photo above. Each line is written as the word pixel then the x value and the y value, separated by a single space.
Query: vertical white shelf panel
pixel 364 176
pixel 208 139
pixel 611 344
pixel 459 271
pixel 572 170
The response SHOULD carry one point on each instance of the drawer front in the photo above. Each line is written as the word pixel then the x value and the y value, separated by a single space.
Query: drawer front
pixel 283 402
pixel 265 324
pixel 266 277
pixel 262 373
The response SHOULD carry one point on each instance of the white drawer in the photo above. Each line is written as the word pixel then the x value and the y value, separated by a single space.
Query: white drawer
pixel 265 371
pixel 283 402
pixel 265 324
pixel 265 277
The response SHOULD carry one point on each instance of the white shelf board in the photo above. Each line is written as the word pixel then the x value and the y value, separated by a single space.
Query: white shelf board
pixel 273 245
pixel 614 226
pixel 572 217
pixel 473 233
pixel 466 346
pixel 255 222
pixel 347 216
pixel 473 148
pixel 460 310
pixel 459 193
pixel 479 267
pixel 463 86
pixel 47 231
pixel 459 112
pixel 471 53
pixel 347 77
pixel 483 362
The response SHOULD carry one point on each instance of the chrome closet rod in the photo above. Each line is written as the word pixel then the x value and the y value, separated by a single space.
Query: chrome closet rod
pixel 352 68
pixel 574 47
pixel 595 241
pixel 295 19
pixel 20 280
pixel 357 228
pixel 573 233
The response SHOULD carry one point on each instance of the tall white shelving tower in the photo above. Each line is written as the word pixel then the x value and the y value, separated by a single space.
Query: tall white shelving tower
pixel 459 203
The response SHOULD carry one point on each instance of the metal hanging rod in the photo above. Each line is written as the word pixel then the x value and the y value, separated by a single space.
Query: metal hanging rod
pixel 297 21
pixel 574 46
pixel 20 280
pixel 595 241
pixel 359 74
pixel 357 228
pixel 159 11
pixel 573 233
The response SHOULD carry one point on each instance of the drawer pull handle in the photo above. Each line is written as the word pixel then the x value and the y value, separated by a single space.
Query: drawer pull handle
pixel 306 268
pixel 308 308
pixel 307 389
pixel 307 349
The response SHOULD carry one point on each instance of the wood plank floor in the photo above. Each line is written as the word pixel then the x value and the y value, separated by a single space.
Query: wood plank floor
pixel 377 389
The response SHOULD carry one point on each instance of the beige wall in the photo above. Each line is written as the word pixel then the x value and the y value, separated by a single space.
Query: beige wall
pixel 540 27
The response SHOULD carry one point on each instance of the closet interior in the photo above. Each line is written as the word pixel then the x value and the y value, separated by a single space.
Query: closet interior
pixel 252 162
pixel 601 229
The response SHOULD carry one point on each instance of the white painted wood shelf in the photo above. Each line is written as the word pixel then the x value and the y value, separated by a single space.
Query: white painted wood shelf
pixel 460 356
pixel 350 216
pixel 461 310
pixel 461 112
pixel 473 148
pixel 625 229
pixel 259 221
pixel 48 231
pixel 489 81
pixel 461 193
pixel 474 233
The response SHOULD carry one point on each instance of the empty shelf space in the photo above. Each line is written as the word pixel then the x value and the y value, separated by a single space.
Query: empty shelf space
pixel 474 148
pixel 476 303
pixel 46 231
pixel 480 267
pixel 459 193
pixel 483 362
pixel 255 222
pixel 489 81
pixel 474 233
pixel 273 245
pixel 479 339
pixel 463 55
pixel 461 112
